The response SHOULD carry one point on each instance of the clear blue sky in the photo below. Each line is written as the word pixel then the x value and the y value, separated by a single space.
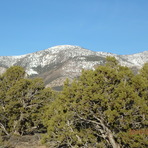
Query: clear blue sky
pixel 116 26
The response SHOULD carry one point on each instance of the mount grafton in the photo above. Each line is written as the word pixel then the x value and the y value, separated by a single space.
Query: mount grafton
pixel 57 63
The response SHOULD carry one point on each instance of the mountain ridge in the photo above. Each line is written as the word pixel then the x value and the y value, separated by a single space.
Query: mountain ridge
pixel 57 63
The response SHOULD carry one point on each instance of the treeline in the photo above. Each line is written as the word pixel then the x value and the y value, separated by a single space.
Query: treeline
pixel 104 108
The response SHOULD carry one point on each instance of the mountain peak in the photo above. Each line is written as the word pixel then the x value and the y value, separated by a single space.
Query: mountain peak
pixel 59 62
pixel 56 49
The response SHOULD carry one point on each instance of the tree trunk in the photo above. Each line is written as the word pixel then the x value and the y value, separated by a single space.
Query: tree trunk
pixel 4 129
pixel 112 141
pixel 108 135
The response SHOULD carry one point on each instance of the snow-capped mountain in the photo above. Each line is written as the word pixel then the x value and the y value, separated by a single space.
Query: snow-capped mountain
pixel 57 63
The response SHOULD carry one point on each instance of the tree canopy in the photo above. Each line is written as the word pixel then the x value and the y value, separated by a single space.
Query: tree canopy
pixel 106 108
pixel 21 100
pixel 101 109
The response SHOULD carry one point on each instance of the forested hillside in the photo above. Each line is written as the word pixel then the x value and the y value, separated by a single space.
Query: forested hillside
pixel 103 108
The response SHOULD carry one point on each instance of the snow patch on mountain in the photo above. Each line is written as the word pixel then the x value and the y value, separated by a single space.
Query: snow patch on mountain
pixel 31 72
pixel 137 59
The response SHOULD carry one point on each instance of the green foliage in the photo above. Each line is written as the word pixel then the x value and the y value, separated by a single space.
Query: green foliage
pixel 111 62
pixel 99 109
pixel 22 101
pixel 144 71
pixel 105 107
pixel 12 75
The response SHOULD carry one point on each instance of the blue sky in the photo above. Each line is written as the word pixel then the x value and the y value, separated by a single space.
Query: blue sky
pixel 116 26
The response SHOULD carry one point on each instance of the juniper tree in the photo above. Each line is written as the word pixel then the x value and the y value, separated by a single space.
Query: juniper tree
pixel 22 101
pixel 100 109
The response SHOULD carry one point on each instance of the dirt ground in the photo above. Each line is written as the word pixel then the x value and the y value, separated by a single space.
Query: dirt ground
pixel 32 141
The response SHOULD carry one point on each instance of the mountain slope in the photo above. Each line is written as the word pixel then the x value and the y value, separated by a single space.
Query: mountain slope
pixel 57 63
